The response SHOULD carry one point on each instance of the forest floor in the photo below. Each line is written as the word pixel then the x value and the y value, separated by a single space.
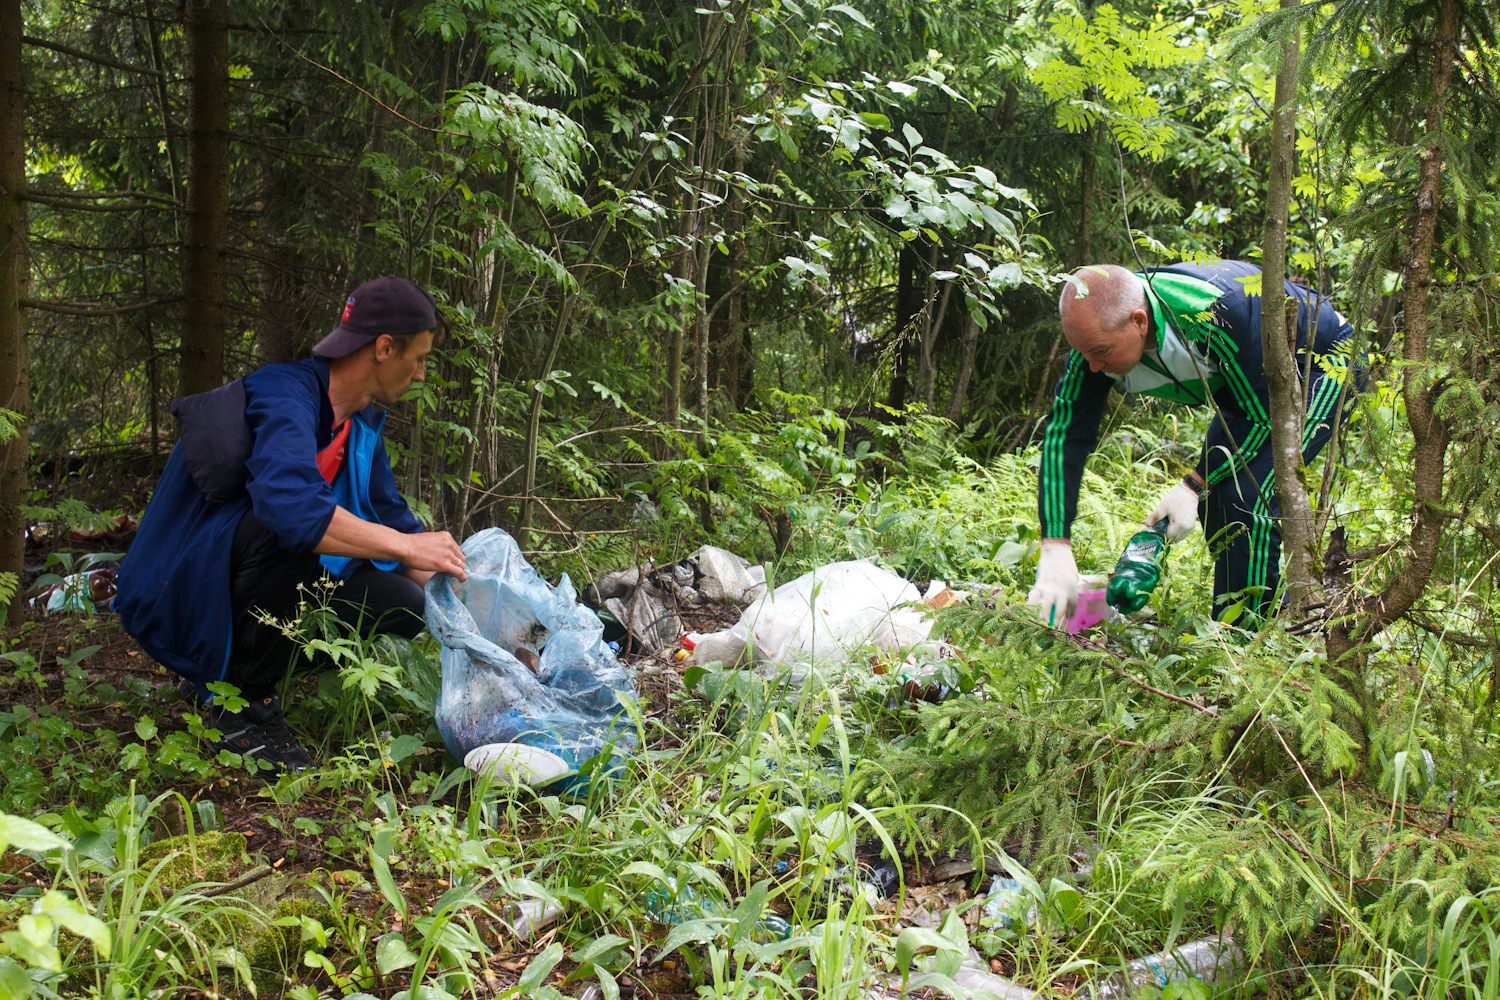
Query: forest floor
pixel 306 844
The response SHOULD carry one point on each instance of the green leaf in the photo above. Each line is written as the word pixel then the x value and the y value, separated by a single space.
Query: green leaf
pixel 68 912
pixel 403 747
pixel 15 984
pixel 597 947
pixel 693 932
pixel 387 884
pixel 607 984
pixel 1066 898
pixel 145 728
pixel 936 981
pixel 392 953
pixel 537 970
pixel 24 835
pixel 644 868
pixel 22 944
pixel 918 940
pixel 853 15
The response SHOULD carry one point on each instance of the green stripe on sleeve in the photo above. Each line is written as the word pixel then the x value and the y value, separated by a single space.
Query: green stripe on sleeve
pixel 1053 481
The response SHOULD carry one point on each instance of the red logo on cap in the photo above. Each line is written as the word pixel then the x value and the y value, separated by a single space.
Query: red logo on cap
pixel 348 308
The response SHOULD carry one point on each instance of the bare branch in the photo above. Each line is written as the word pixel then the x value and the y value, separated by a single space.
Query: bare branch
pixel 88 309
pixel 68 50
pixel 78 205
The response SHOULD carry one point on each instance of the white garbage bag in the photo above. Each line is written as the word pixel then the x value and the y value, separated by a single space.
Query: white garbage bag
pixel 824 615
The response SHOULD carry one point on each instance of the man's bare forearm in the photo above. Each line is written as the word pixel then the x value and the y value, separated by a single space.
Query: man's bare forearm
pixel 423 552
pixel 357 538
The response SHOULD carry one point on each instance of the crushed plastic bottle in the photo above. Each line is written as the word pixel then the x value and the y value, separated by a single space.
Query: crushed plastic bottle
pixel 1139 569
pixel 1207 959
pixel 1006 904
pixel 668 905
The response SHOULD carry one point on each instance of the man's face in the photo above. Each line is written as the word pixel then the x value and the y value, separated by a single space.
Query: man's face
pixel 1113 352
pixel 396 370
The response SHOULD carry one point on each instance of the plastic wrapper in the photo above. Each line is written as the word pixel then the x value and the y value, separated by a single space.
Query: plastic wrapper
pixel 570 706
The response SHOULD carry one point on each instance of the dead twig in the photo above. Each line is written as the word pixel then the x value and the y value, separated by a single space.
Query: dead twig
pixel 1170 697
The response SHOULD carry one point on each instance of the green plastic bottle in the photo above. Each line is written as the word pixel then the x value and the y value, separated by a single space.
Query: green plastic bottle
pixel 1139 569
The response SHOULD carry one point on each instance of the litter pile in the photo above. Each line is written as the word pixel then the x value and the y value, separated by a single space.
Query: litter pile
pixel 646 601
pixel 89 591
pixel 532 692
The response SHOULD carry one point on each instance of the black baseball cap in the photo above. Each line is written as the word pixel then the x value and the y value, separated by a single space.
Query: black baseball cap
pixel 390 305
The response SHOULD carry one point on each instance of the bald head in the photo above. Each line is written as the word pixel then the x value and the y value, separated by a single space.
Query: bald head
pixel 1109 291
pixel 1104 317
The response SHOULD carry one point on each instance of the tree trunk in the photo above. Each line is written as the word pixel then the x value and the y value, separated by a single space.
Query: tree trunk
pixel 13 284
pixel 734 308
pixel 1278 338
pixel 687 258
pixel 482 417
pixel 930 345
pixel 1083 240
pixel 965 370
pixel 568 302
pixel 281 293
pixel 164 105
pixel 205 271
pixel 907 306
pixel 1430 434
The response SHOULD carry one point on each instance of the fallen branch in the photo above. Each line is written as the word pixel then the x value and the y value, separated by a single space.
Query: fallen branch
pixel 148 195
pixel 80 206
pixel 239 883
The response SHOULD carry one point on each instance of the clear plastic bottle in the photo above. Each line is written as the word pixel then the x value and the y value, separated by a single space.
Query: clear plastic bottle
pixel 669 905
pixel 1139 569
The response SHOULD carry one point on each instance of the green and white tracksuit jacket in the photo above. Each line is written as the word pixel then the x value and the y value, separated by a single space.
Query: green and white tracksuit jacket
pixel 1207 326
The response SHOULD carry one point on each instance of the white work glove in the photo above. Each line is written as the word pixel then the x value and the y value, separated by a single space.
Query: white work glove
pixel 1180 508
pixel 1057 583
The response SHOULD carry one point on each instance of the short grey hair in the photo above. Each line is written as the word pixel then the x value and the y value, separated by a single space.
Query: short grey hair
pixel 1113 293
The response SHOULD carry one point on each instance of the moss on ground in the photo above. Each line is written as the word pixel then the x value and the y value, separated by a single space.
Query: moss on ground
pixel 276 955
pixel 209 857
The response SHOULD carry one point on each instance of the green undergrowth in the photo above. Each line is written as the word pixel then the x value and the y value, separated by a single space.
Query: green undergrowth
pixel 1166 779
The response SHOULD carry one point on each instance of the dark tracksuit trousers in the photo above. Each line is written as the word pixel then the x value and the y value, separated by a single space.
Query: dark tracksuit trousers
pixel 1240 516
pixel 265 578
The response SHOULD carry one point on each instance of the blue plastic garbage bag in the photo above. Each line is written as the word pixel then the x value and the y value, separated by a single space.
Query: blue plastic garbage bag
pixel 570 706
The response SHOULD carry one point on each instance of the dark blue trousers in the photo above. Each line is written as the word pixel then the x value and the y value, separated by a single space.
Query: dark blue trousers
pixel 1240 515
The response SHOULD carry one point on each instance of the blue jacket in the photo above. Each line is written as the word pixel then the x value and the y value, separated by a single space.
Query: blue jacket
pixel 174 583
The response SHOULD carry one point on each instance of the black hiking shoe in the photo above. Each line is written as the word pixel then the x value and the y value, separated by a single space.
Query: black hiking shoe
pixel 187 691
pixel 258 732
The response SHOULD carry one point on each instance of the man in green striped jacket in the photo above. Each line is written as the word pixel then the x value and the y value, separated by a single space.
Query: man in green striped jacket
pixel 1188 333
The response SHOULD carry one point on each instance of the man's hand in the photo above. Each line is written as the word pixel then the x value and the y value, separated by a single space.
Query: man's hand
pixel 424 552
pixel 1057 581
pixel 1180 508
pixel 434 552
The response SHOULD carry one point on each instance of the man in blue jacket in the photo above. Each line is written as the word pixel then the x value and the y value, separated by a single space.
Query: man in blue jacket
pixel 276 479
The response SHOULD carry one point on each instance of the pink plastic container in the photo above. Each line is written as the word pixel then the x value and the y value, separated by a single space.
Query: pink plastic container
pixel 1092 609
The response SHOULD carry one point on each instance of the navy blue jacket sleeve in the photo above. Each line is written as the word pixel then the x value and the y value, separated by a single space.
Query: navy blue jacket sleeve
pixel 290 496
pixel 1072 432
